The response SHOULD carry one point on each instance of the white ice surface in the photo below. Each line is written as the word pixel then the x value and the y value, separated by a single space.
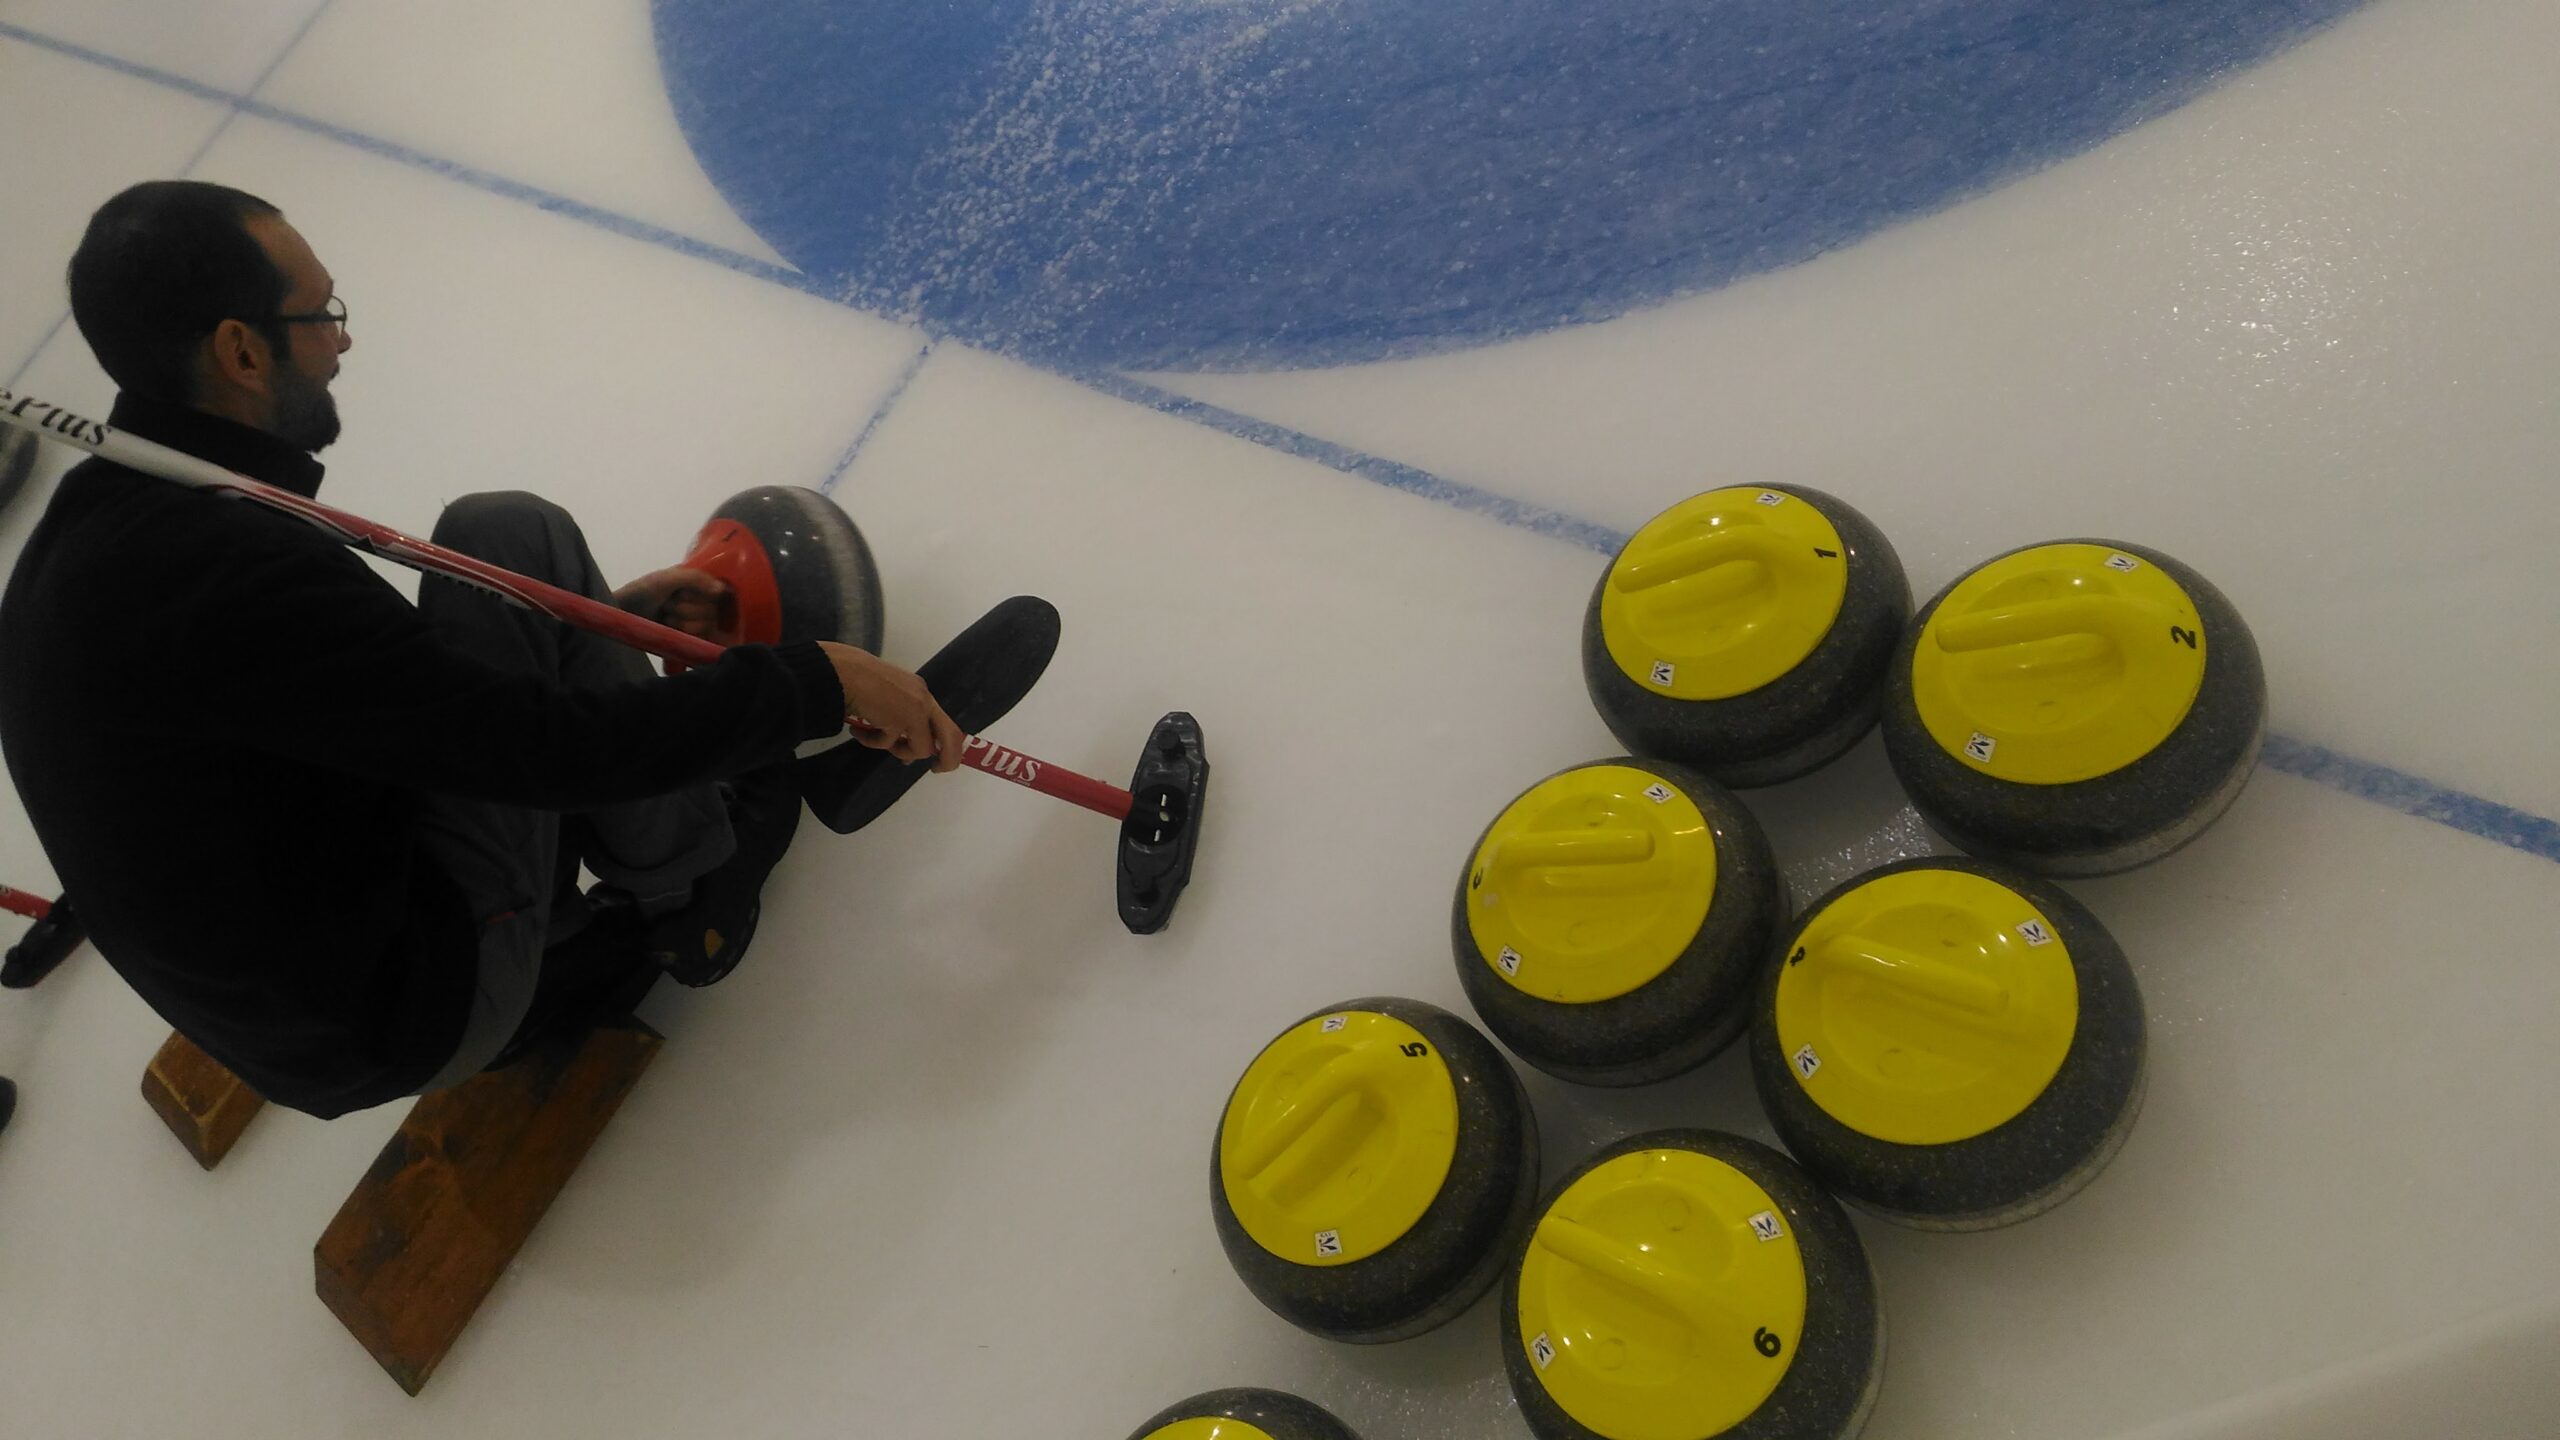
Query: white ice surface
pixel 934 1163
pixel 563 96
pixel 226 50
pixel 95 123
pixel 2301 332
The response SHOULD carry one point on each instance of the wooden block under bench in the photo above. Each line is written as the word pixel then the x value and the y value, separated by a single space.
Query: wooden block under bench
pixel 203 1104
pixel 453 1196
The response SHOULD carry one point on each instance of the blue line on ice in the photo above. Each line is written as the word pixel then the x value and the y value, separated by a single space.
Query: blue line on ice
pixel 879 412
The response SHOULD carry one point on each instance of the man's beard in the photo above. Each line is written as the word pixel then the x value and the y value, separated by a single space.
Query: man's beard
pixel 306 414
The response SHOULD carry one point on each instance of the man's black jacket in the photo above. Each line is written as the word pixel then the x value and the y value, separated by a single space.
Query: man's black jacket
pixel 221 722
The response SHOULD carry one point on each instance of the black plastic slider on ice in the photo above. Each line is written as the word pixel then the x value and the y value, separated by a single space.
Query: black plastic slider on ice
pixel 1162 833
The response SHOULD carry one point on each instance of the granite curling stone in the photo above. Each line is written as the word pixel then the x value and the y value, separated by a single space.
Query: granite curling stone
pixel 1746 632
pixel 797 569
pixel 2076 708
pixel 1373 1170
pixel 1245 1414
pixel 1683 1284
pixel 1951 1044
pixel 1612 921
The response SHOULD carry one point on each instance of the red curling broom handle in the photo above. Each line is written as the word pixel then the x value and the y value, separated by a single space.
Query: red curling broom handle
pixel 52 422
pixel 34 907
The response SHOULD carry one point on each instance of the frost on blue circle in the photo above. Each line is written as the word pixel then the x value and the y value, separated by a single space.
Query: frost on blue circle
pixel 1262 184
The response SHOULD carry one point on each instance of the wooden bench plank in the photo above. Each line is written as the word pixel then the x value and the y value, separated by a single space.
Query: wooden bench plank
pixel 203 1104
pixel 425 1235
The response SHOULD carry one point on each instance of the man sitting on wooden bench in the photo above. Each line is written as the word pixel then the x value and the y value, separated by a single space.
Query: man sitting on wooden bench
pixel 333 838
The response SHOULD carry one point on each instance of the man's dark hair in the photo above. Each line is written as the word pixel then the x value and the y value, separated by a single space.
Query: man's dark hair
pixel 161 265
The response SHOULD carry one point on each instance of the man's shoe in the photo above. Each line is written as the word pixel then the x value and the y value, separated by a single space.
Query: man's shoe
pixel 983 673
pixel 702 942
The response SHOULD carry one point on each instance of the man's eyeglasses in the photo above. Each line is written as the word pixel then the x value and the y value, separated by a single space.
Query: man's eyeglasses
pixel 334 313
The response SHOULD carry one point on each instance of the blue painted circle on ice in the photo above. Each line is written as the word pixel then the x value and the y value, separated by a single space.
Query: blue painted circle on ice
pixel 1249 184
